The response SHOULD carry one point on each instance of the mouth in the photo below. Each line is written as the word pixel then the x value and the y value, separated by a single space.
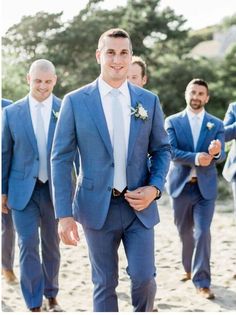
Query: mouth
pixel 117 68
pixel 195 102
pixel 42 91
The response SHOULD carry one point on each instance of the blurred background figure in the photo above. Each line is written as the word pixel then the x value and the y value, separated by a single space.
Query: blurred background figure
pixel 137 73
pixel 8 236
pixel 229 171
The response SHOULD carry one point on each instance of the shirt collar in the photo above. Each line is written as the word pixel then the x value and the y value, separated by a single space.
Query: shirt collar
pixel 191 114
pixel 105 88
pixel 47 102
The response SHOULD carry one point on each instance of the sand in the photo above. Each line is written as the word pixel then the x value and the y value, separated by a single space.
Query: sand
pixel 75 293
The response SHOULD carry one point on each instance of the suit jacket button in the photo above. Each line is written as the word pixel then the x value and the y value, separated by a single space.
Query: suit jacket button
pixel 112 164
pixel 109 188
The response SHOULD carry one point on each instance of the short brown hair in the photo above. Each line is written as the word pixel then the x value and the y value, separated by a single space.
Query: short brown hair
pixel 139 61
pixel 115 33
pixel 198 82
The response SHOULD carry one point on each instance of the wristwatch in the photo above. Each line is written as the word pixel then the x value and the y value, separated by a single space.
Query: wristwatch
pixel 158 193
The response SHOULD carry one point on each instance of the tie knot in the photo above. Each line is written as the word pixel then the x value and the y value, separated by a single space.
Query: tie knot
pixel 196 118
pixel 39 105
pixel 115 92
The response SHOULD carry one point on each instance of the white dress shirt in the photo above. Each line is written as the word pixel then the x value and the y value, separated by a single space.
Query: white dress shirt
pixel 46 111
pixel 125 101
pixel 191 116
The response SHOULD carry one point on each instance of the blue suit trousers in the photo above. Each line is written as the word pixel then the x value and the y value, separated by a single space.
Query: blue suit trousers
pixel 122 225
pixel 8 241
pixel 193 216
pixel 36 225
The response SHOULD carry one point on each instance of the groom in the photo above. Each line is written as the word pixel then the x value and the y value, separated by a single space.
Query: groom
pixel 116 193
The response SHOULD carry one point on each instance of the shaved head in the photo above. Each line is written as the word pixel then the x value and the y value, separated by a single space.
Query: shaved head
pixel 43 65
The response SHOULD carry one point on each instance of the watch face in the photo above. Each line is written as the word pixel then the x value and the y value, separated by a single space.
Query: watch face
pixel 158 193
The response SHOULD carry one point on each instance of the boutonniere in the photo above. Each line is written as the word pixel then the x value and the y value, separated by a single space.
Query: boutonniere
pixel 210 125
pixel 139 112
pixel 55 114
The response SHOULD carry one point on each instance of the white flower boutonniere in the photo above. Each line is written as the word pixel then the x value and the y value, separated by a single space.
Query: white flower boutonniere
pixel 55 114
pixel 210 125
pixel 139 112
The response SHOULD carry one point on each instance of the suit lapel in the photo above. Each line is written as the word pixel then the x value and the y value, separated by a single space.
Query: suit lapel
pixel 25 117
pixel 94 105
pixel 52 124
pixel 203 133
pixel 135 123
pixel 185 126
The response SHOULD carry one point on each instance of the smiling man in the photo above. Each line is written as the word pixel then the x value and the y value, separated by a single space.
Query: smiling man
pixel 116 192
pixel 197 142
pixel 28 129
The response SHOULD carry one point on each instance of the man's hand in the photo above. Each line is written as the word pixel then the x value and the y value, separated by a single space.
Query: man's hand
pixel 68 231
pixel 214 147
pixel 4 204
pixel 204 159
pixel 141 197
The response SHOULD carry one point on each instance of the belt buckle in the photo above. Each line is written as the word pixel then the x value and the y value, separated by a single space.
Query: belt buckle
pixel 115 192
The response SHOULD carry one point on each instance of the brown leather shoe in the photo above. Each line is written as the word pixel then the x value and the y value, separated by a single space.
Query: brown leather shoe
pixel 35 309
pixel 206 293
pixel 53 306
pixel 186 277
pixel 9 276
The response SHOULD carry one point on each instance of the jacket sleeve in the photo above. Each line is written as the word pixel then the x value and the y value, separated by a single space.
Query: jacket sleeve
pixel 7 148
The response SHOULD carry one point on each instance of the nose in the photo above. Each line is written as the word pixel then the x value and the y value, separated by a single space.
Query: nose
pixel 116 58
pixel 42 85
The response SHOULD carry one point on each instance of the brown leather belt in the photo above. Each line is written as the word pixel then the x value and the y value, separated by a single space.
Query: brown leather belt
pixel 193 180
pixel 116 193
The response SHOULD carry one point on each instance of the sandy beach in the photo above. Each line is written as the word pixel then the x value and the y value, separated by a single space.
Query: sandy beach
pixel 75 293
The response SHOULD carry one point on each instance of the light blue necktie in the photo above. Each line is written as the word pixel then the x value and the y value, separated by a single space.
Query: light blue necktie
pixel 195 129
pixel 42 145
pixel 119 145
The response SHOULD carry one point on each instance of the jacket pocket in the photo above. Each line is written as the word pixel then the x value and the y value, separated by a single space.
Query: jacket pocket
pixel 86 183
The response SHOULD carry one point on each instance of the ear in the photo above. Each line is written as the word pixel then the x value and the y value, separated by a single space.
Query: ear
pixel 144 80
pixel 28 78
pixel 98 56
pixel 55 80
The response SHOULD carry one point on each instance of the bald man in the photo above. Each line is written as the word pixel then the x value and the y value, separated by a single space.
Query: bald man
pixel 28 129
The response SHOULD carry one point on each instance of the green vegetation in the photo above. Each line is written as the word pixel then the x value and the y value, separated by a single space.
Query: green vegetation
pixel 160 37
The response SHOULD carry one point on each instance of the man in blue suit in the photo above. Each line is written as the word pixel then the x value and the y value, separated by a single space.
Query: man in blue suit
pixel 197 142
pixel 229 171
pixel 28 129
pixel 116 193
pixel 8 236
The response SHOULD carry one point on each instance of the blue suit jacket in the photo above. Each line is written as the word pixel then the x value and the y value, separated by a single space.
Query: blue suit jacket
pixel 6 102
pixel 229 171
pixel 20 158
pixel 183 154
pixel 82 124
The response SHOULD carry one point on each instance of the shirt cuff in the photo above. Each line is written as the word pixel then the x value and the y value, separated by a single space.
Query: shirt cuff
pixel 196 159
